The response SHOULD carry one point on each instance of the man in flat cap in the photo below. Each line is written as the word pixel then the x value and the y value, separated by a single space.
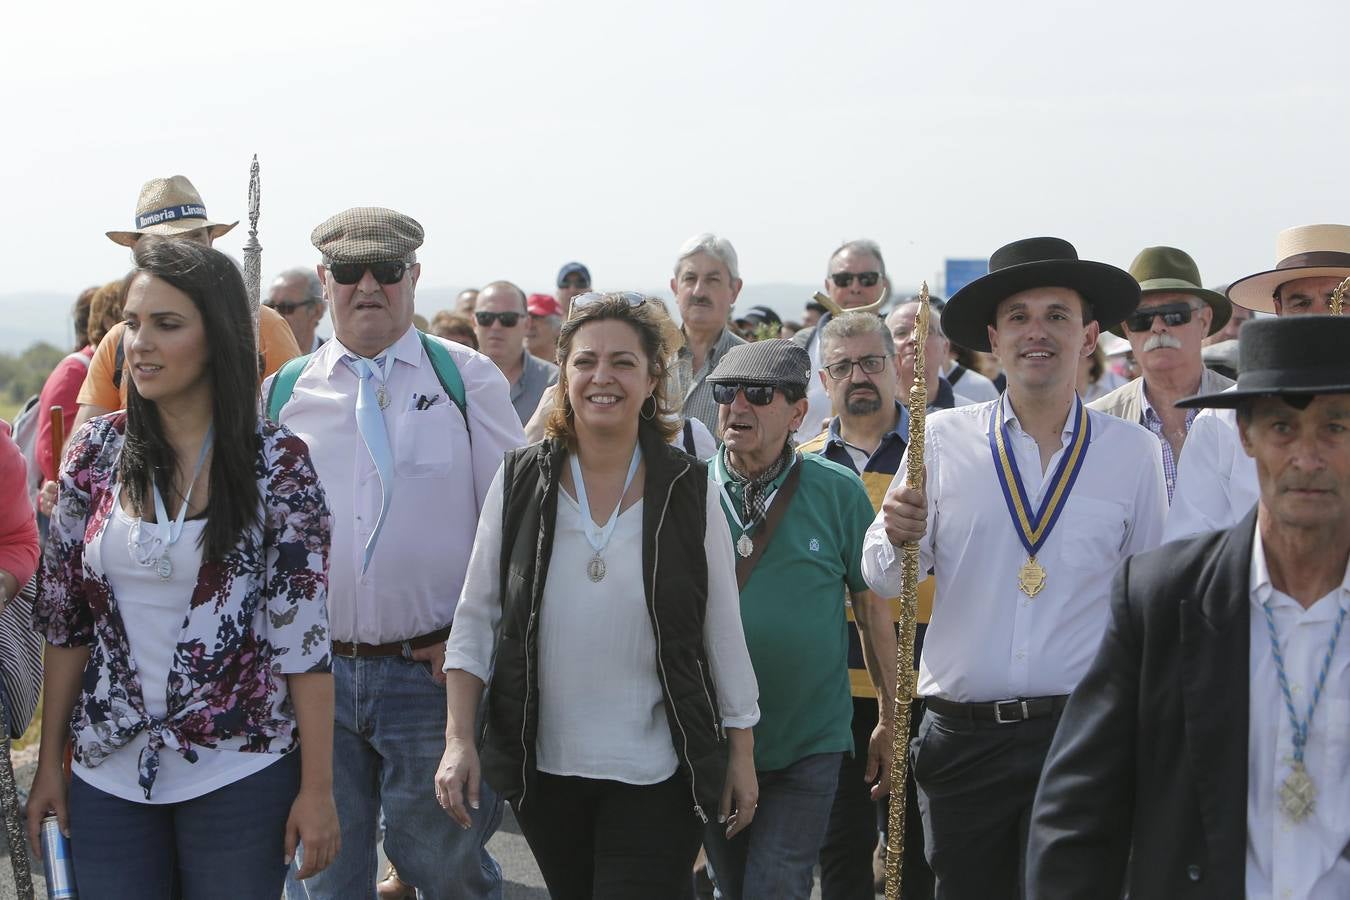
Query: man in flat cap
pixel 1030 502
pixel 797 521
pixel 406 432
pixel 1165 332
pixel 169 207
pixel 1216 481
pixel 1204 753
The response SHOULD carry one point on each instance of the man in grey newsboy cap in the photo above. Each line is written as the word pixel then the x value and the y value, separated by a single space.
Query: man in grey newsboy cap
pixel 406 432
pixel 797 521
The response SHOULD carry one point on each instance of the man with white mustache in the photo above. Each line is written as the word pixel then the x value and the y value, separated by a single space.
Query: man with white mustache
pixel 1166 332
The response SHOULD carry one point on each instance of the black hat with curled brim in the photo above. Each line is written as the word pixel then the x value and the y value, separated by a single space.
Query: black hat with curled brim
pixel 1035 263
pixel 1294 357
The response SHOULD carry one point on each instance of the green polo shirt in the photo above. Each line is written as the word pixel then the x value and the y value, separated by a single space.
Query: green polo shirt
pixel 793 610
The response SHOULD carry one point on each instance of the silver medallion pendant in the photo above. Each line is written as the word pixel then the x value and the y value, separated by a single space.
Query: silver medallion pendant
pixel 382 397
pixel 164 568
pixel 1297 794
pixel 595 569
pixel 745 546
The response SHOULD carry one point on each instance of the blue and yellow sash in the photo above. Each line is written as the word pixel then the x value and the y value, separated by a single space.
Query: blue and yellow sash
pixel 1033 531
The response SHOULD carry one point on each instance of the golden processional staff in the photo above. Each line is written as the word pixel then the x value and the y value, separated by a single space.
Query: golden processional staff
pixel 909 603
pixel 1338 297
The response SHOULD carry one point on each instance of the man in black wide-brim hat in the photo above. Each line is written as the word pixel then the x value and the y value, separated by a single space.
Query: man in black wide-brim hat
pixel 1031 501
pixel 1205 753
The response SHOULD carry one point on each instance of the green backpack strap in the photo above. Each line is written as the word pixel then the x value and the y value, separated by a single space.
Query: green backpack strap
pixel 447 372
pixel 283 385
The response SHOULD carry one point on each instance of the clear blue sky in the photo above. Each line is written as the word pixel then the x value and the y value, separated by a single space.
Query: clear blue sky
pixel 523 134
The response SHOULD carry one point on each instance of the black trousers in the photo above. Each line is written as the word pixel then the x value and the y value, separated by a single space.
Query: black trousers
pixel 857 822
pixel 612 841
pixel 977 781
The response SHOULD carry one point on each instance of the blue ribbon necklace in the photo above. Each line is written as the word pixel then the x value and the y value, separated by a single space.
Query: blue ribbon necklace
pixel 1034 530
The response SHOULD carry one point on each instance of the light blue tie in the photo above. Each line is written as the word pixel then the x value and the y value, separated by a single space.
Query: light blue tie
pixel 370 422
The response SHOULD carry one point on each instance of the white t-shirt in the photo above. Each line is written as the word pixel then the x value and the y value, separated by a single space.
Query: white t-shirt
pixel 153 611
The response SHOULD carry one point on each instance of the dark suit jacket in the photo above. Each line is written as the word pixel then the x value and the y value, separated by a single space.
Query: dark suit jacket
pixel 1145 785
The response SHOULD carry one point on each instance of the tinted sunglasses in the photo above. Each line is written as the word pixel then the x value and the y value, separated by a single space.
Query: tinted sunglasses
pixel 389 271
pixel 508 319
pixel 866 279
pixel 755 394
pixel 1173 314
pixel 870 365
pixel 633 297
pixel 286 308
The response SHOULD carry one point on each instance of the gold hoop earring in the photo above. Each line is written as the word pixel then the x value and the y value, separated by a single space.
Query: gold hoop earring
pixel 648 418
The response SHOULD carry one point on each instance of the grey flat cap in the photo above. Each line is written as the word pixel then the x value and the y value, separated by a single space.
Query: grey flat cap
pixel 367 234
pixel 776 362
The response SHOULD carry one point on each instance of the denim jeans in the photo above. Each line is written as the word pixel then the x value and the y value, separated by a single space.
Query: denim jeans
pixel 220 846
pixel 387 743
pixel 773 858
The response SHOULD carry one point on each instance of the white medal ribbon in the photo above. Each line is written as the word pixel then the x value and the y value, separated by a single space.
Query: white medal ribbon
pixel 168 532
pixel 598 536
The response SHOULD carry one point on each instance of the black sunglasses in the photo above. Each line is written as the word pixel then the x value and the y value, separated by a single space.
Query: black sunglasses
pixel 508 319
pixel 755 394
pixel 866 279
pixel 286 308
pixel 389 271
pixel 1173 314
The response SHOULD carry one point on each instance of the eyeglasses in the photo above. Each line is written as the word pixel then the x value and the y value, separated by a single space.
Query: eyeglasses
pixel 843 369
pixel 508 319
pixel 1173 314
pixel 286 308
pixel 865 279
pixel 755 394
pixel 633 298
pixel 389 271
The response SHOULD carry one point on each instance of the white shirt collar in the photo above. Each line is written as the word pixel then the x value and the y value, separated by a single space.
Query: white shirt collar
pixel 407 348
pixel 1263 591
pixel 1010 417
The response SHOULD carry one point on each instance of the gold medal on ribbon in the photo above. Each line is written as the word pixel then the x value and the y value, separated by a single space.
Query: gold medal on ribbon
pixel 1031 577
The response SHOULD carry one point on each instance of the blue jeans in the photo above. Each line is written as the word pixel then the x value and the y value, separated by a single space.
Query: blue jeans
pixel 387 744
pixel 773 858
pixel 220 846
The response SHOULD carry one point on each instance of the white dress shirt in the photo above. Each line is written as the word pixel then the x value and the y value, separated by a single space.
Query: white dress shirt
pixel 440 480
pixel 601 711
pixel 986 639
pixel 1309 860
pixel 1216 479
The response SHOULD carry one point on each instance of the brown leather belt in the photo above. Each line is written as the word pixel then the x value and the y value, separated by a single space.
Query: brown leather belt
pixel 395 648
pixel 1004 712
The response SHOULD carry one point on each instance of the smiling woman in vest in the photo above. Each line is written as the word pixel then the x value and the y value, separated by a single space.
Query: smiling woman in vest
pixel 602 576
pixel 183 601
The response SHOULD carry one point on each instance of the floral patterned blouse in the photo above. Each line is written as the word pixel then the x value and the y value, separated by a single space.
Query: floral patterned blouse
pixel 256 616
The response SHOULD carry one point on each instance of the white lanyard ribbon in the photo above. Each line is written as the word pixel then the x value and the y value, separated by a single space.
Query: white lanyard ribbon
pixel 169 532
pixel 598 537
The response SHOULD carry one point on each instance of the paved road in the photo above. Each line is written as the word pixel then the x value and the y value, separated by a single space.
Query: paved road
pixel 522 879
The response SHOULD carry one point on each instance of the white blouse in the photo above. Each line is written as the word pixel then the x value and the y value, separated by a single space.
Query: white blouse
pixel 601 712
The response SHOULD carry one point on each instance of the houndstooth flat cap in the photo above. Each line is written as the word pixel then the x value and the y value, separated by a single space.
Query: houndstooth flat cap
pixel 776 362
pixel 367 234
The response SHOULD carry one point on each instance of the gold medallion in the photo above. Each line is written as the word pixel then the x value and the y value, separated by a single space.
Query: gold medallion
pixel 1031 577
pixel 1297 794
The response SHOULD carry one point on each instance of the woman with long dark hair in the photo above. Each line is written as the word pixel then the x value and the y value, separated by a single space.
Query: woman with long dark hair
pixel 600 608
pixel 183 599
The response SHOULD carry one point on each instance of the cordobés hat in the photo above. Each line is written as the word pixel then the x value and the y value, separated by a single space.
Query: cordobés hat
pixel 1167 270
pixel 1032 263
pixel 1298 356
pixel 773 362
pixel 170 207
pixel 367 234
pixel 1307 251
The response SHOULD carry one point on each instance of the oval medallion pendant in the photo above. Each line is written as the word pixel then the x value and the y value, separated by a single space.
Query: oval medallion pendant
pixel 595 569
pixel 745 546
pixel 164 568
